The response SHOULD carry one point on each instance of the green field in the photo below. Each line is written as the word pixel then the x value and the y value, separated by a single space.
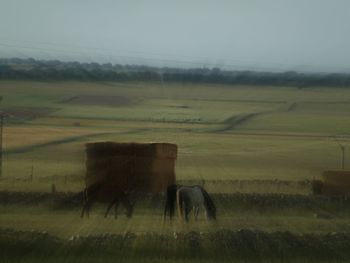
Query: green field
pixel 218 137
pixel 225 134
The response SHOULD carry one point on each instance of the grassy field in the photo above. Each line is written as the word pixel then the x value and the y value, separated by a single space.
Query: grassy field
pixel 288 137
pixel 230 138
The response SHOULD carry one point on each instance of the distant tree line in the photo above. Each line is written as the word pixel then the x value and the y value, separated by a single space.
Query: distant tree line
pixel 31 69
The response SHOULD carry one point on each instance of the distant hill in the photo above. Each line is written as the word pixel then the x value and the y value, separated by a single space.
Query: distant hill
pixel 31 69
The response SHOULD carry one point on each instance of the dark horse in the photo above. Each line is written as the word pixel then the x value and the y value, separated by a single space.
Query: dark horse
pixel 188 198
pixel 105 193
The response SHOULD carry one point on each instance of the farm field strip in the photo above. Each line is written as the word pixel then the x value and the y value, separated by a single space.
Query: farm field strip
pixel 175 91
pixel 187 109
pixel 230 157
pixel 115 124
pixel 29 135
pixel 298 122
pixel 65 140
pixel 75 183
pixel 270 213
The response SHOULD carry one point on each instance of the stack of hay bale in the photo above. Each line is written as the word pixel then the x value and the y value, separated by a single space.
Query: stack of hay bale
pixel 336 182
pixel 131 166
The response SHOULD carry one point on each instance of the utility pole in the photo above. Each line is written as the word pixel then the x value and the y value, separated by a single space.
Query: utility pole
pixel 1 131
pixel 342 148
pixel 343 157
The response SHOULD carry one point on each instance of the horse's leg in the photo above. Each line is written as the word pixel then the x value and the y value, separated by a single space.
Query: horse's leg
pixel 86 209
pixel 109 208
pixel 187 211
pixel 179 203
pixel 165 211
pixel 83 211
pixel 116 209
pixel 84 203
pixel 206 212
pixel 196 211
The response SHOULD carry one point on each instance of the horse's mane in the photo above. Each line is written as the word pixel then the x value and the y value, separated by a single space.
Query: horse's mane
pixel 209 204
pixel 170 200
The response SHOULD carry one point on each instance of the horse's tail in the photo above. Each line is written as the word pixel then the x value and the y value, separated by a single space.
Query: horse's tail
pixel 170 200
pixel 209 204
pixel 179 201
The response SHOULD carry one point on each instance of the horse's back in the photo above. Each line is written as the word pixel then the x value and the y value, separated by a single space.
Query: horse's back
pixel 197 196
pixel 193 194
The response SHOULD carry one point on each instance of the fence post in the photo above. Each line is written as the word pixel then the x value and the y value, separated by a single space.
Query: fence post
pixel 1 131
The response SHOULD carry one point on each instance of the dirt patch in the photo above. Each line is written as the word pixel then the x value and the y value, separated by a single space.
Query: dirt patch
pixel 112 101
pixel 20 114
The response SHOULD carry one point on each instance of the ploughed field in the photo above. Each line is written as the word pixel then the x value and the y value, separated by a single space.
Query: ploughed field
pixel 256 149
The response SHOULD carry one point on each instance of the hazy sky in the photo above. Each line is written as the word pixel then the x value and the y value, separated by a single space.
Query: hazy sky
pixel 240 34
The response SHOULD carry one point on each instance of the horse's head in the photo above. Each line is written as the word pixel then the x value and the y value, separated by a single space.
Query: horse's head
pixel 211 214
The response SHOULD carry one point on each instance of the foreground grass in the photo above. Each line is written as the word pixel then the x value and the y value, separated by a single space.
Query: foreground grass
pixel 59 214
pixel 223 245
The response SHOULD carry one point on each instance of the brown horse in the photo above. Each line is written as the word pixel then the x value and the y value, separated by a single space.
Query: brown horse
pixel 106 193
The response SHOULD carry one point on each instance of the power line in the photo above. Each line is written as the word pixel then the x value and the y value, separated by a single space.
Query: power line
pixel 111 53
pixel 79 47
pixel 342 148
pixel 156 58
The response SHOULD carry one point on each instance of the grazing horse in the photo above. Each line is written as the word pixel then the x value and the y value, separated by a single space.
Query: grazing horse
pixel 188 198
pixel 104 193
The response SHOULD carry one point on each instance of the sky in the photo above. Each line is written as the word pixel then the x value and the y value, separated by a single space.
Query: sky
pixel 262 35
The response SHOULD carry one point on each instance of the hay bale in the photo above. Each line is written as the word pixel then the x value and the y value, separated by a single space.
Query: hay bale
pixel 102 169
pixel 159 183
pixel 336 182
pixel 337 177
pixel 317 187
pixel 134 166
pixel 107 149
